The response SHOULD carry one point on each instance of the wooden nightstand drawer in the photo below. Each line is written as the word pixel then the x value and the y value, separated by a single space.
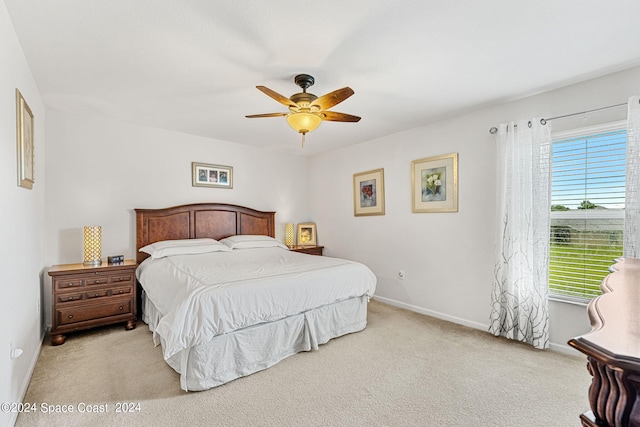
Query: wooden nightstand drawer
pixel 67 283
pixel 97 278
pixel 121 278
pixel 121 291
pixel 84 313
pixel 69 297
pixel 97 294
pixel 311 250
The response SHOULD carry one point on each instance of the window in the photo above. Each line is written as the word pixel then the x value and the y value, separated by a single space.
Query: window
pixel 587 209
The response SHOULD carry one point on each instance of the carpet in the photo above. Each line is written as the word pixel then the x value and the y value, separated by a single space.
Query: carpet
pixel 404 369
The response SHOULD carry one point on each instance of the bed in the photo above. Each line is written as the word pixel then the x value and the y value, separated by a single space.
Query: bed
pixel 231 311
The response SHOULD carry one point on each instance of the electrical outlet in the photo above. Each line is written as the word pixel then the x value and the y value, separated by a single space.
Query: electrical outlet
pixel 401 274
pixel 14 353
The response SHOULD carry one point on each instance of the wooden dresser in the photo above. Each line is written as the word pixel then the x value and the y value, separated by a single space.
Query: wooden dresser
pixel 311 250
pixel 613 349
pixel 86 297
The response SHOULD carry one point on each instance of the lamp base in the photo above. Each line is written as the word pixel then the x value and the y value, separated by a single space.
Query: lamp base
pixel 93 263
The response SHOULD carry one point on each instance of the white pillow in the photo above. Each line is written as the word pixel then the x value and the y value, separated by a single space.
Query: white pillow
pixel 183 247
pixel 248 241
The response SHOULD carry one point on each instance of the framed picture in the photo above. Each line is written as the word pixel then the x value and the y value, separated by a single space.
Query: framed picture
pixel 434 184
pixel 205 175
pixel 368 193
pixel 24 137
pixel 307 234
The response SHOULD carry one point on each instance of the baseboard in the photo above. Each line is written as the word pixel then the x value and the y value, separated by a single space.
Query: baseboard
pixel 432 313
pixel 564 349
pixel 27 379
pixel 558 348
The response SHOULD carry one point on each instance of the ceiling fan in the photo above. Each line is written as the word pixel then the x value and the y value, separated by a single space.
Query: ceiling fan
pixel 307 111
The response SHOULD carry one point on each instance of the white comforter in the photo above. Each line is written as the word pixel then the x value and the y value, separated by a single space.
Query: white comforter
pixel 201 296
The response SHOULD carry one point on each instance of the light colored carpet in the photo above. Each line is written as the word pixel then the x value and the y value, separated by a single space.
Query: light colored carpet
pixel 404 369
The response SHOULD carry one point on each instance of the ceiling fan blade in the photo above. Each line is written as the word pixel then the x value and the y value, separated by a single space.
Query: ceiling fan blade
pixel 275 95
pixel 332 98
pixel 333 116
pixel 267 115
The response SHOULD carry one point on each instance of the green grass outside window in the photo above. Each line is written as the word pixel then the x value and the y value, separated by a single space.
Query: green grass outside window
pixel 578 271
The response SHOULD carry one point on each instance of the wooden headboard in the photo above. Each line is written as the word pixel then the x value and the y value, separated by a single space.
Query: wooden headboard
pixel 214 220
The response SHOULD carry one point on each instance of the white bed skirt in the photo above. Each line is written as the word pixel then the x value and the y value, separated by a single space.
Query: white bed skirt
pixel 245 351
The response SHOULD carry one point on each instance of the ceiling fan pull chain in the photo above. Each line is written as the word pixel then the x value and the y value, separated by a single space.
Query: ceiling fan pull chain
pixel 303 140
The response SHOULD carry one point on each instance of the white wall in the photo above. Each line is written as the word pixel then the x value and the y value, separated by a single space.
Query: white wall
pixel 100 170
pixel 21 225
pixel 447 257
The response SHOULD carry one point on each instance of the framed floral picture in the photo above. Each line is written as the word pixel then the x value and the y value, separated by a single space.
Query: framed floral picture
pixel 307 234
pixel 434 184
pixel 25 144
pixel 206 175
pixel 368 193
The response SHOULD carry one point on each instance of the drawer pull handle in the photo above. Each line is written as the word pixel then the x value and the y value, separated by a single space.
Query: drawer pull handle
pixel 120 291
pixel 70 298
pixel 120 279
pixel 121 308
pixel 71 316
pixel 97 295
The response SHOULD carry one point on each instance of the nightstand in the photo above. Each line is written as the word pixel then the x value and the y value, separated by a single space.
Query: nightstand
pixel 87 297
pixel 311 250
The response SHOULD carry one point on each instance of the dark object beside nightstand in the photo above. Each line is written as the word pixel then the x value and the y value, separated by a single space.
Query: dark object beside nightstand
pixel 311 250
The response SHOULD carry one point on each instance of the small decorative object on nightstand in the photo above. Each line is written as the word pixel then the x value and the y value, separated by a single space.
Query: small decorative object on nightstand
pixel 311 250
pixel 289 235
pixel 307 234
pixel 92 245
pixel 84 297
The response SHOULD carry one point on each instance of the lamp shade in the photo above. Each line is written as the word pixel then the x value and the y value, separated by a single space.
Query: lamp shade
pixel 289 236
pixel 304 122
pixel 92 245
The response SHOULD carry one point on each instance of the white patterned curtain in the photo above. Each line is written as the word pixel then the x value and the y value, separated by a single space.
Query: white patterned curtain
pixel 632 203
pixel 519 300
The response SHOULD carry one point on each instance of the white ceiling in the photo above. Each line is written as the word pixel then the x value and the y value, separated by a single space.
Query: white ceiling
pixel 192 65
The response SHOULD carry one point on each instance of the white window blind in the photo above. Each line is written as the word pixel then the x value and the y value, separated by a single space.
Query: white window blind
pixel 587 209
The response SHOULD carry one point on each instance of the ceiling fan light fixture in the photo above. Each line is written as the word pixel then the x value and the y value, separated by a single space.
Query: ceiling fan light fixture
pixel 307 111
pixel 303 121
